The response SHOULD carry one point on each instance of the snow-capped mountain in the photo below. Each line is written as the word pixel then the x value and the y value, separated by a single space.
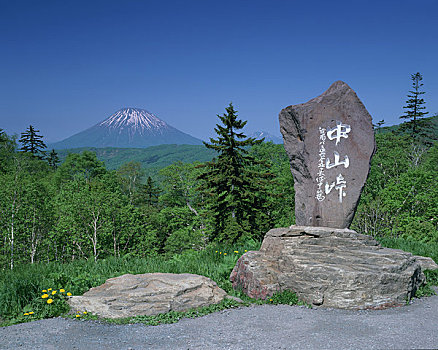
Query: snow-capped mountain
pixel 137 120
pixel 268 137
pixel 128 128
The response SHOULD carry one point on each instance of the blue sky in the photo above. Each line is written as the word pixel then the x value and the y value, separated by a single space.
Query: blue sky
pixel 67 65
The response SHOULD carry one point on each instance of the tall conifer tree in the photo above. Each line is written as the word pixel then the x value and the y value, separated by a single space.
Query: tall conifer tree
pixel 32 142
pixel 53 159
pixel 230 184
pixel 414 106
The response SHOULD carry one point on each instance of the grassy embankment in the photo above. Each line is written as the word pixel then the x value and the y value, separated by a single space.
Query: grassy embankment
pixel 21 290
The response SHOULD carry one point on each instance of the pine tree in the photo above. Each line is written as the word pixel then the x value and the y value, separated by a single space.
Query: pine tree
pixel 378 126
pixel 229 182
pixel 32 142
pixel 53 159
pixel 414 106
pixel 148 193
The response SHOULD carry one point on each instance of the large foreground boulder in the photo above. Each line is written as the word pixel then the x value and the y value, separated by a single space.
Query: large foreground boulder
pixel 328 267
pixel 148 294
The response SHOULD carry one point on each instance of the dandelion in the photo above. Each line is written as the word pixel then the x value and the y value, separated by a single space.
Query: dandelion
pixel 26 314
pixel 225 253
pixel 54 292
pixel 270 299
pixel 78 315
pixel 31 313
pixel 62 290
pixel 245 250
pixel 236 251
pixel 216 251
pixel 49 289
pixel 220 252
pixel 69 294
pixel 85 312
pixel 44 291
pixel 44 296
pixel 49 301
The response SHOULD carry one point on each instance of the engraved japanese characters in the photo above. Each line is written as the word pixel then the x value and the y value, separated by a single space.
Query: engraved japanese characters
pixel 330 142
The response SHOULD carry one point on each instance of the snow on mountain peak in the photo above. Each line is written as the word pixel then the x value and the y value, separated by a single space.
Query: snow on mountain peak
pixel 133 118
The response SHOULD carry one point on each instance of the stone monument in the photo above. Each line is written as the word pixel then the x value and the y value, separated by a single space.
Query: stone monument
pixel 329 141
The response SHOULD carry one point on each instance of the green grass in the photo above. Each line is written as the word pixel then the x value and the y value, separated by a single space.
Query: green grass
pixel 167 318
pixel 414 247
pixel 21 289
pixel 417 248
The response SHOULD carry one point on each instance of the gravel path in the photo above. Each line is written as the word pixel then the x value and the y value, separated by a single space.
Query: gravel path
pixel 257 327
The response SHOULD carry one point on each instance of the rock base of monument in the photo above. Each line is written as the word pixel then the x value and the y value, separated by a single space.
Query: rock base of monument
pixel 336 268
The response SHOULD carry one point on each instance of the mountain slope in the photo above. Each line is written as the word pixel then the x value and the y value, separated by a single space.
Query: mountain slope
pixel 151 158
pixel 267 136
pixel 128 128
pixel 432 128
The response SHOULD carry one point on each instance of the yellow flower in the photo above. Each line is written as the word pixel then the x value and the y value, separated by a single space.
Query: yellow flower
pixel 85 312
pixel 49 301
pixel 69 294
pixel 54 292
pixel 236 251
pixel 44 291
pixel 216 251
pixel 49 289
pixel 61 290
pixel 225 253
pixel 78 315
pixel 26 314
pixel 270 299
pixel 220 252
pixel 44 296
pixel 31 313
pixel 245 250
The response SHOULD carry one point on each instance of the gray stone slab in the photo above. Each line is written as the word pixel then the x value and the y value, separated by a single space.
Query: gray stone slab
pixel 330 142
pixel 337 268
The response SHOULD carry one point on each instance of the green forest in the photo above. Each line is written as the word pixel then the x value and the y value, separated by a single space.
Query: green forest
pixel 78 211
pixel 81 210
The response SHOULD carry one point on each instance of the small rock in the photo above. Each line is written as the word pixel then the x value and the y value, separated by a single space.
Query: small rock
pixel 148 294
pixel 426 263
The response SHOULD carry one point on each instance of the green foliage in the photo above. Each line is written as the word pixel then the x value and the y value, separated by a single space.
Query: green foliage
pixel 400 198
pixel 431 277
pixel 233 188
pixel 175 316
pixel 413 246
pixel 414 107
pixel 32 142
pixel 102 223
pixel 21 287
pixel 152 159
pixel 7 148
pixel 84 166
pixel 426 290
pixel 53 159
pixel 130 175
pixel 286 297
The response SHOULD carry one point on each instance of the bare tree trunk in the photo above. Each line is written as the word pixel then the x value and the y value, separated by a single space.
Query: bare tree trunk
pixel 34 239
pixel 93 237
pixel 11 240
pixel 12 235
